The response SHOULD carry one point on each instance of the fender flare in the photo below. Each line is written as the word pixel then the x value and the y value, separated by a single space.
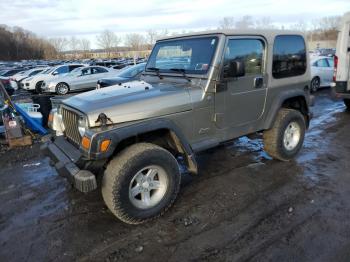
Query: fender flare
pixel 117 134
pixel 278 102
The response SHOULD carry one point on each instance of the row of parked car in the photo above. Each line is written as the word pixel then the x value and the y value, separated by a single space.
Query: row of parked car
pixel 71 77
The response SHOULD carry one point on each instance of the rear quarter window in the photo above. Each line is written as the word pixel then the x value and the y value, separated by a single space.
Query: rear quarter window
pixel 289 56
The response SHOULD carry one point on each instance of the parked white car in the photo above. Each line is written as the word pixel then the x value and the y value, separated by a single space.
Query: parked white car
pixel 79 79
pixel 34 83
pixel 24 74
pixel 322 68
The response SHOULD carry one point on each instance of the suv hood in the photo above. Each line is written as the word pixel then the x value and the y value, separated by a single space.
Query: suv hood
pixel 132 101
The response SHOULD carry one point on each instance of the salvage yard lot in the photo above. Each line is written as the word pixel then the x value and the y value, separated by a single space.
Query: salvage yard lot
pixel 242 206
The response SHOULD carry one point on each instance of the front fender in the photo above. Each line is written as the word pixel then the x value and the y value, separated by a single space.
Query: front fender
pixel 118 133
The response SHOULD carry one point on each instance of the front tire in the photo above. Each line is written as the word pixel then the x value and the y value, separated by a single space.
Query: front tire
pixel 38 87
pixel 141 183
pixel 285 139
pixel 62 89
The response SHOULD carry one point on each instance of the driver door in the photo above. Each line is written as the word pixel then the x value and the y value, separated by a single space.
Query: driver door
pixel 241 100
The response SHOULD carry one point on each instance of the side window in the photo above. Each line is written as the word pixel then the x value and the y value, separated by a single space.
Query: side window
pixel 98 70
pixel 322 63
pixel 330 62
pixel 249 51
pixel 72 67
pixel 62 70
pixel 86 71
pixel 289 56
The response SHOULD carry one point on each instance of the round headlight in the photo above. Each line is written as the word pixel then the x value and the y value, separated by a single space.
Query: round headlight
pixel 82 124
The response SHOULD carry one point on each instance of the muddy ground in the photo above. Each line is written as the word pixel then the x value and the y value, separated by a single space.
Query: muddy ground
pixel 242 206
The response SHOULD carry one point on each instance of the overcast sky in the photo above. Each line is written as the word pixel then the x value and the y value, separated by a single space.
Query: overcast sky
pixel 86 18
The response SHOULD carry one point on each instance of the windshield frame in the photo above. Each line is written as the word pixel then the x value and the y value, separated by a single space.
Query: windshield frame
pixel 188 72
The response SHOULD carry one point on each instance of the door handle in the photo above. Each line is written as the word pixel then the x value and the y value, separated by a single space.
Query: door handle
pixel 258 82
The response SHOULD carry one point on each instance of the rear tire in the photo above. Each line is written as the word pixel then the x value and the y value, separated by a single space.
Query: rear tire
pixel 347 103
pixel 62 89
pixel 315 84
pixel 127 187
pixel 285 139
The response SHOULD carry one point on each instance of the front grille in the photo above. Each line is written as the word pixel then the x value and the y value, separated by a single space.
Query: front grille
pixel 70 121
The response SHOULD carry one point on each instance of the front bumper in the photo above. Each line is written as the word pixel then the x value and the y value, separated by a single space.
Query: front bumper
pixel 66 159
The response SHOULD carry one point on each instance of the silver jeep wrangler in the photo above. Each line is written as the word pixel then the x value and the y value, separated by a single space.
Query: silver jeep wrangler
pixel 197 91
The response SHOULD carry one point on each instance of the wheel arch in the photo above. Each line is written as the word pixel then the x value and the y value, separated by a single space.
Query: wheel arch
pixel 162 132
pixel 294 100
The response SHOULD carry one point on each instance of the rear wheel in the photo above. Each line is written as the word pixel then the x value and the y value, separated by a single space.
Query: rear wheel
pixel 62 89
pixel 347 103
pixel 285 139
pixel 315 84
pixel 141 183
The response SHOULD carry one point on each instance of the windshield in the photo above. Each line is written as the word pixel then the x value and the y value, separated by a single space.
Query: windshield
pixel 132 71
pixel 193 55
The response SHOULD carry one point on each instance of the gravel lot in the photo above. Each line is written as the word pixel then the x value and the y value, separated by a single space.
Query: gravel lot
pixel 242 206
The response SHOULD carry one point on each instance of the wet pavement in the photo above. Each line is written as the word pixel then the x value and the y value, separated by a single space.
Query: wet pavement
pixel 242 206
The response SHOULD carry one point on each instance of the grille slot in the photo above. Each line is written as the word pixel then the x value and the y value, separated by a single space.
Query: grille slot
pixel 70 121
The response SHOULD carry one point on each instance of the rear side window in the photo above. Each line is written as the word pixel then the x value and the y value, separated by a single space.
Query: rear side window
pixel 289 56
pixel 99 70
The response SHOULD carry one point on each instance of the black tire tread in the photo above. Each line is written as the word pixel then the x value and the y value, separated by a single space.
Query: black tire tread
pixel 271 136
pixel 117 164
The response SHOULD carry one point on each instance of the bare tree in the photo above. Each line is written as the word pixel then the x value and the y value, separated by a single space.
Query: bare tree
pixel 59 43
pixel 135 41
pixel 151 37
pixel 108 41
pixel 18 43
pixel 300 26
pixel 85 47
pixel 330 22
pixel 227 23
pixel 264 23
pixel 245 22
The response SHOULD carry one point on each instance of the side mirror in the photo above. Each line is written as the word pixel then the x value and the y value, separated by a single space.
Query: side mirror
pixel 234 68
pixel 55 73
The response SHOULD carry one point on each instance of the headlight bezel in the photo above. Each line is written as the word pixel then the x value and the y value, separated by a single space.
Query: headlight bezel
pixel 82 125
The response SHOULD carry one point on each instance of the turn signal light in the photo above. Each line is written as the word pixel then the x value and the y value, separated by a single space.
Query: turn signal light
pixel 104 145
pixel 85 142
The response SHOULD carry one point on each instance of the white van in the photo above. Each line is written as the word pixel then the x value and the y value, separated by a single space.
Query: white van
pixel 341 75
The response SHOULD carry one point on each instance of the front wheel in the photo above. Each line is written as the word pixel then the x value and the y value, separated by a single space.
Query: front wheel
pixel 285 139
pixel 141 183
pixel 347 103
pixel 62 89
pixel 38 87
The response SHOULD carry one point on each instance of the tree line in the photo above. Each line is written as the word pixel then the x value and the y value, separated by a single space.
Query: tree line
pixel 17 44
pixel 325 28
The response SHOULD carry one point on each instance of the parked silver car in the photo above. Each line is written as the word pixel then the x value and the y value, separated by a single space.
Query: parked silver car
pixel 322 68
pixel 77 80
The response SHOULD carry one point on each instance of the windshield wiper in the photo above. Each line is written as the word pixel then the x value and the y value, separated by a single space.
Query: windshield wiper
pixel 183 71
pixel 155 69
